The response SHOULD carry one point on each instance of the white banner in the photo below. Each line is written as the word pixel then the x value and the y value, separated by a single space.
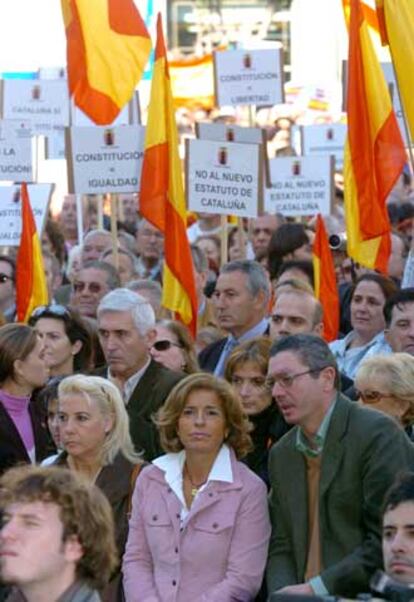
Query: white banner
pixel 10 211
pixel 15 151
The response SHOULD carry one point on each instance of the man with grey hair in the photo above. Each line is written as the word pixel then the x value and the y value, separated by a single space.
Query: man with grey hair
pixel 241 299
pixel 328 475
pixel 126 330
pixel 91 283
pixel 151 291
pixel 150 249
pixel 94 244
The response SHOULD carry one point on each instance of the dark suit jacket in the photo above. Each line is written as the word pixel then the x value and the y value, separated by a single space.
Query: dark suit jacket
pixel 363 452
pixel 12 449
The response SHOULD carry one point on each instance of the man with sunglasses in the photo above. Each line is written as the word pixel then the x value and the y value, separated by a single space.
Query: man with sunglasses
pixel 91 283
pixel 328 475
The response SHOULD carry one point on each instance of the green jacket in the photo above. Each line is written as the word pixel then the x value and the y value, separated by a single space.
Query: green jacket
pixel 364 451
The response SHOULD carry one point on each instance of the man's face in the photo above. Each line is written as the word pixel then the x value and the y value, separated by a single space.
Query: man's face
pixel 400 334
pixel 150 242
pixel 89 286
pixel 32 552
pixel 398 542
pixel 301 400
pixel 94 246
pixel 293 314
pixel 397 257
pixel 237 309
pixel 125 349
pixel 7 290
pixel 261 232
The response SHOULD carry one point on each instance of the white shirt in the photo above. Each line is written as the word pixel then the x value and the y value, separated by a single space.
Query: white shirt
pixel 131 383
pixel 173 465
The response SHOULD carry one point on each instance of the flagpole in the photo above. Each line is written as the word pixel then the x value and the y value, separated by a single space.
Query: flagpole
pixel 114 229
pixel 79 217
pixel 100 218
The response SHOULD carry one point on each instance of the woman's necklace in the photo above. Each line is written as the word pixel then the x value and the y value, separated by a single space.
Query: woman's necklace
pixel 194 486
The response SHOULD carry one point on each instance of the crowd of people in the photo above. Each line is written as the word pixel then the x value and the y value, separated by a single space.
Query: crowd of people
pixel 139 463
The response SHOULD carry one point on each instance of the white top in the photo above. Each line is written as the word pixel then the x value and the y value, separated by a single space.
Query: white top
pixel 132 382
pixel 173 465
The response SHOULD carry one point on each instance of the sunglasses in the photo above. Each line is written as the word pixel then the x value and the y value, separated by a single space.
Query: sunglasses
pixel 372 396
pixel 4 278
pixel 164 345
pixel 93 287
pixel 50 310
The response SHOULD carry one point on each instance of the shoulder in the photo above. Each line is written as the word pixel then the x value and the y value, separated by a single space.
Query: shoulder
pixel 163 375
pixel 250 481
pixel 211 349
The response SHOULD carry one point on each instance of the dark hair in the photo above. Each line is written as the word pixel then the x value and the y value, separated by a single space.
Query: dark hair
pixel 255 351
pixel 402 490
pixel 405 295
pixel 16 342
pixel 84 511
pixel 312 351
pixel 302 265
pixel 387 286
pixel 286 239
pixel 75 329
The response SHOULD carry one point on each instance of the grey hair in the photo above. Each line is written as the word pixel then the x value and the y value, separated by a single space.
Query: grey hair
pixel 199 259
pixel 108 398
pixel 257 278
pixel 121 251
pixel 122 299
pixel 311 350
pixel 112 278
pixel 93 233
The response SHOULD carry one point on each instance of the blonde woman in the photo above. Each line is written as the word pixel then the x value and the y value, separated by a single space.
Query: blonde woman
pixel 94 431
pixel 386 383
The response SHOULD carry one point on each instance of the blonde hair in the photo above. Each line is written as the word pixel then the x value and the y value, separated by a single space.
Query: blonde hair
pixel 108 398
pixel 236 422
pixel 398 369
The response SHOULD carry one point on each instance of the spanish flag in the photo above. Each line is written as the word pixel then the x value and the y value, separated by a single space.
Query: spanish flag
pixel 374 150
pixel 162 200
pixel 396 19
pixel 108 46
pixel 31 287
pixel 325 282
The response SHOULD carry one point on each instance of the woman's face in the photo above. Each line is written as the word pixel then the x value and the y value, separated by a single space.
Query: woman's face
pixel 366 309
pixel 83 427
pixel 202 425
pixel 172 356
pixel 375 392
pixel 53 422
pixel 249 382
pixel 32 372
pixel 57 348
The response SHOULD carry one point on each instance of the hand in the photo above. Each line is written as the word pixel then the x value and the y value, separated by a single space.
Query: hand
pixel 300 588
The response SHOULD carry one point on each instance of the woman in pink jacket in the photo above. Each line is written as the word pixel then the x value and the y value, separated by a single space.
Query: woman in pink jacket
pixel 199 528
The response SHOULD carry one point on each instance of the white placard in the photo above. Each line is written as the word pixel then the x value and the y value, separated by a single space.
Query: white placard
pixel 44 102
pixel 224 178
pixel 324 139
pixel 300 186
pixel 15 151
pixel 129 115
pixel 55 144
pixel 105 159
pixel 229 133
pixel 10 210
pixel 248 77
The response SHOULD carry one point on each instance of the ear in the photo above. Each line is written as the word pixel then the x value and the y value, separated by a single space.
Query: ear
pixel 108 423
pixel 150 337
pixel 328 378
pixel 76 347
pixel 259 299
pixel 17 368
pixel 318 329
pixel 73 549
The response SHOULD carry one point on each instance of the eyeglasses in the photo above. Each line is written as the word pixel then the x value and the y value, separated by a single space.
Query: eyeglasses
pixel 93 287
pixel 54 310
pixel 286 381
pixel 4 278
pixel 372 396
pixel 165 345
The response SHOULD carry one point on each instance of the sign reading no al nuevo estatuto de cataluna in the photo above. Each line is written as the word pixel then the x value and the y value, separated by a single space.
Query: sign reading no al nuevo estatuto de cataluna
pixel 105 159
pixel 224 178
pixel 248 77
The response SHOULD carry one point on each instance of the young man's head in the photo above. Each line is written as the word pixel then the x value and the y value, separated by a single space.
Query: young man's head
pixel 399 321
pixel 56 530
pixel 398 530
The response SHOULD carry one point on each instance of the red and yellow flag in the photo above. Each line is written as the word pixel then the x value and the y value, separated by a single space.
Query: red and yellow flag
pixel 396 19
pixel 31 287
pixel 162 200
pixel 326 289
pixel 108 46
pixel 374 150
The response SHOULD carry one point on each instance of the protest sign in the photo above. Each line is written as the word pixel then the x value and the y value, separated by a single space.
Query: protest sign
pixel 15 151
pixel 10 210
pixel 324 139
pixel 300 186
pixel 248 77
pixel 105 159
pixel 224 178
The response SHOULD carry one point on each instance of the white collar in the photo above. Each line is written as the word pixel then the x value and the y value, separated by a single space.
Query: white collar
pixel 132 381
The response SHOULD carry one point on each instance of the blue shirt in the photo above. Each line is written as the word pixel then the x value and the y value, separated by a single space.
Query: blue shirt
pixel 257 331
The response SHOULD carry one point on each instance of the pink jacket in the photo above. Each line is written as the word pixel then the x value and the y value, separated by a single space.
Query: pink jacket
pixel 220 554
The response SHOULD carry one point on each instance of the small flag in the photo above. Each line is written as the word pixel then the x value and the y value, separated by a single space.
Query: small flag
pixel 325 282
